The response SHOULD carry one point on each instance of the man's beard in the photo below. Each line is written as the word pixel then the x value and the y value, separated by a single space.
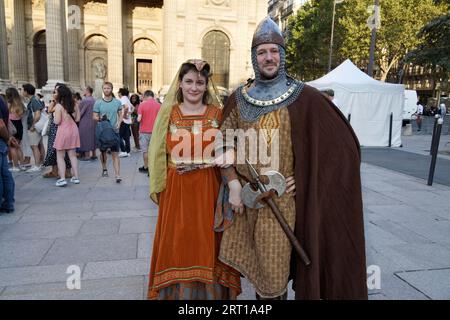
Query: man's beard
pixel 265 76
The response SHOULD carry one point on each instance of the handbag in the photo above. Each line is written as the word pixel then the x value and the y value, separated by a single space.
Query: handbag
pixel 43 122
pixel 11 128
pixel 46 129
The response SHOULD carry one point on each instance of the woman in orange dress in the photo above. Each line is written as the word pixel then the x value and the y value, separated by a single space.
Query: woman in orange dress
pixel 185 184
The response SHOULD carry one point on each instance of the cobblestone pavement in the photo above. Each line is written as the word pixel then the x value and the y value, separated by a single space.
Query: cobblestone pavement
pixel 106 229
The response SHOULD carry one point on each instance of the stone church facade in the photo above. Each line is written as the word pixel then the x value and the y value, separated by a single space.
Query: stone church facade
pixel 138 44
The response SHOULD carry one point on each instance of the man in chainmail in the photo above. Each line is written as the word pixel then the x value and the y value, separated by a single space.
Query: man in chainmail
pixel 311 143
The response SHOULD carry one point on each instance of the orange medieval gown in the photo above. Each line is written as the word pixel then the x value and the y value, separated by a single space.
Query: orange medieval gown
pixel 184 262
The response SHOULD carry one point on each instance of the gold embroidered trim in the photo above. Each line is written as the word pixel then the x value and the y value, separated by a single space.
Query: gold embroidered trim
pixel 271 102
pixel 267 123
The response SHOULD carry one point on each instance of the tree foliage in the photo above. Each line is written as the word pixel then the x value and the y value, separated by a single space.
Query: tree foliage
pixel 433 52
pixel 401 20
pixel 310 29
pixel 308 40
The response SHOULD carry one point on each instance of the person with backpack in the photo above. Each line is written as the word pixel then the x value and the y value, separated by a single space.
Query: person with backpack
pixel 108 114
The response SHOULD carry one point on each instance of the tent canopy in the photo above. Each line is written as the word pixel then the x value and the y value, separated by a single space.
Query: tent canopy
pixel 368 101
pixel 347 76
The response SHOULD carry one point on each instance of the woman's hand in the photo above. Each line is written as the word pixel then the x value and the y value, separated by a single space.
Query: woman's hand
pixel 290 185
pixel 13 142
pixel 52 106
pixel 235 196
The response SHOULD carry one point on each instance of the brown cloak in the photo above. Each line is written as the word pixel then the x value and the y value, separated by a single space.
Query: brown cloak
pixel 329 210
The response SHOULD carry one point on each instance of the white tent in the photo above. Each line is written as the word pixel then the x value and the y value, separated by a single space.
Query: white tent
pixel 368 101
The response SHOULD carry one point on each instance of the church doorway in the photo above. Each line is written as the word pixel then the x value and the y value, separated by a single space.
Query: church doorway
pixel 40 59
pixel 143 75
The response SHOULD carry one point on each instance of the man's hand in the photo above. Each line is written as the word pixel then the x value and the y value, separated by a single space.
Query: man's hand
pixel 235 196
pixel 33 129
pixel 290 185
pixel 225 159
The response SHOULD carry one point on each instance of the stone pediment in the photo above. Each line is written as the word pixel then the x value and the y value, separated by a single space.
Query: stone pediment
pixel 96 8
pixel 145 13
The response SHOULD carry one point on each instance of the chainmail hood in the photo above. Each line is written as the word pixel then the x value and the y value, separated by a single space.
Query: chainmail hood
pixel 267 95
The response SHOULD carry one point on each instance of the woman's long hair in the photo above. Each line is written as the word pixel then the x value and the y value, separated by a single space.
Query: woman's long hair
pixel 136 99
pixel 15 102
pixel 65 98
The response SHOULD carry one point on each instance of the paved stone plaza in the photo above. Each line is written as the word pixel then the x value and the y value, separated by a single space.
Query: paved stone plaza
pixel 107 230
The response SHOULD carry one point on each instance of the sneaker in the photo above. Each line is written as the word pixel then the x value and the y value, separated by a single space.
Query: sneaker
pixel 61 183
pixel 23 168
pixel 123 155
pixel 75 180
pixel 143 169
pixel 14 169
pixel 34 169
pixel 105 173
pixel 4 210
pixel 118 179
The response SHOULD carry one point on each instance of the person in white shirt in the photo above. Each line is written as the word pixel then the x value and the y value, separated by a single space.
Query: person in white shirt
pixel 419 114
pixel 443 110
pixel 125 131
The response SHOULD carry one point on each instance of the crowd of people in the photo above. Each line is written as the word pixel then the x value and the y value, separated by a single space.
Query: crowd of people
pixel 75 128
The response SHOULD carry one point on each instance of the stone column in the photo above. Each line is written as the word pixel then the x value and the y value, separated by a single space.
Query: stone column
pixel 240 59
pixel 65 43
pixel 190 40
pixel 20 65
pixel 73 50
pixel 115 43
pixel 55 31
pixel 170 41
pixel 4 66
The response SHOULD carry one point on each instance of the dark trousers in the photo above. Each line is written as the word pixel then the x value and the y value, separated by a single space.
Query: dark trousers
pixel 419 122
pixel 135 131
pixel 125 134
pixel 6 179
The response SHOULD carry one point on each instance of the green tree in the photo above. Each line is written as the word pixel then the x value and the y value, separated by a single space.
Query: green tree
pixel 401 20
pixel 433 51
pixel 308 40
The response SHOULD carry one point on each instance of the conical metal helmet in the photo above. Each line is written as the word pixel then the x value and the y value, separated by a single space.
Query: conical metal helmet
pixel 268 32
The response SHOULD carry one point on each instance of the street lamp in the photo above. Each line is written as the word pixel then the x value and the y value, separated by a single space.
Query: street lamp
pixel 332 33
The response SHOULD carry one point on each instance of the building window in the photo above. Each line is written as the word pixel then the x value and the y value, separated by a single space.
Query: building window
pixel 216 51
